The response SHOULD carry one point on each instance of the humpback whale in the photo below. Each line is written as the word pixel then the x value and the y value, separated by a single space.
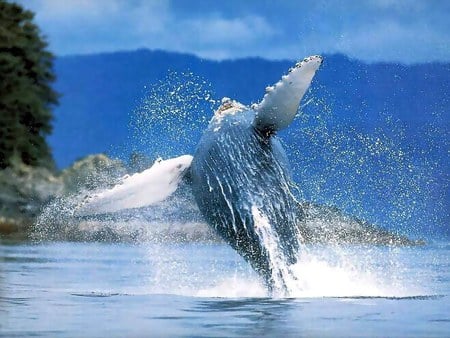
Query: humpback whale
pixel 239 175
pixel 240 178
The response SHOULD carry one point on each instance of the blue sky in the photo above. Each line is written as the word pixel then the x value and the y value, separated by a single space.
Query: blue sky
pixel 407 31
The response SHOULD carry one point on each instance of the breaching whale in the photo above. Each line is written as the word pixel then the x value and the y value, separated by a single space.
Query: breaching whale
pixel 240 178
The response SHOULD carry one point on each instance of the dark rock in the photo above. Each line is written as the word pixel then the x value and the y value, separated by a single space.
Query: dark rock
pixel 25 190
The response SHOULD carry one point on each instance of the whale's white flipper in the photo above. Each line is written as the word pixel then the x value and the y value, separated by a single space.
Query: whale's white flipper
pixel 280 104
pixel 142 189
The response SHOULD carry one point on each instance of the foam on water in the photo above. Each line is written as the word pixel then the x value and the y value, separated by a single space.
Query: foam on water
pixel 314 276
pixel 321 271
pixel 336 272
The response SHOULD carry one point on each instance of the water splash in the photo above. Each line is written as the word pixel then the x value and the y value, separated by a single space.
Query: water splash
pixel 375 173
pixel 175 220
pixel 168 122
pixel 281 273
pixel 173 114
pixel 321 271
pixel 337 161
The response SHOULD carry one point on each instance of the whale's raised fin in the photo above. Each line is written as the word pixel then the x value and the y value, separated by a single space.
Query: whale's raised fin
pixel 280 103
pixel 149 187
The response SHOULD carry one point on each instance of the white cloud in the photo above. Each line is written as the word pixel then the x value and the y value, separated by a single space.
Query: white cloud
pixel 83 26
pixel 219 38
pixel 221 30
pixel 400 30
pixel 388 40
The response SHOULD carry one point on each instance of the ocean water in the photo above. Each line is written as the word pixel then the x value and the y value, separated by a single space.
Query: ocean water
pixel 66 289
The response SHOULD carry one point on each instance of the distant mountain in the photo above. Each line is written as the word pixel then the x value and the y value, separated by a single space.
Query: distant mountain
pixel 99 92
pixel 373 139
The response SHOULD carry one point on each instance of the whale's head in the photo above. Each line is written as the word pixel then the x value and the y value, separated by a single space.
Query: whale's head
pixel 279 106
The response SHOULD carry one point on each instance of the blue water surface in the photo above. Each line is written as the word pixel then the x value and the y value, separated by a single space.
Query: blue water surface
pixel 205 290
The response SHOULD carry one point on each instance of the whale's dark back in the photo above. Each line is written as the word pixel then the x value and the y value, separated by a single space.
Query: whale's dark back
pixel 238 171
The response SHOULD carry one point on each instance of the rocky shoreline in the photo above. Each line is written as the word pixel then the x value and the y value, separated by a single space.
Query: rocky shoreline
pixel 24 190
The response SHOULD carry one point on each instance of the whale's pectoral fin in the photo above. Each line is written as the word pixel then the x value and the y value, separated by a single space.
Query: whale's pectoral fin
pixel 280 104
pixel 149 187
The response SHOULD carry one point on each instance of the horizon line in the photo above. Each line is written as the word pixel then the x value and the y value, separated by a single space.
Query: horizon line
pixel 250 57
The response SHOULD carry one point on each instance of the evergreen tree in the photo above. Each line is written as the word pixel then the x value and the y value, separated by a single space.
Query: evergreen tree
pixel 25 93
